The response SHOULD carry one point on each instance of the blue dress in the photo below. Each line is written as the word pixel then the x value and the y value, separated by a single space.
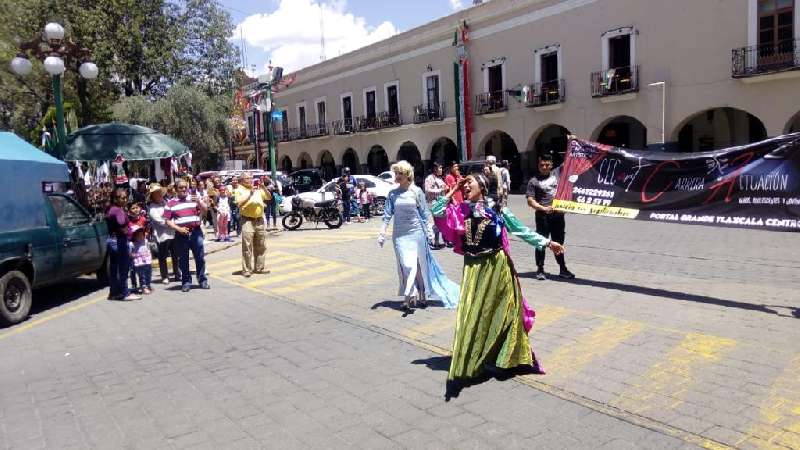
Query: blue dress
pixel 418 271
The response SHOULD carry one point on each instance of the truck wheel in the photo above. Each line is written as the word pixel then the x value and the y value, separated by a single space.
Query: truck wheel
pixel 17 297
pixel 103 272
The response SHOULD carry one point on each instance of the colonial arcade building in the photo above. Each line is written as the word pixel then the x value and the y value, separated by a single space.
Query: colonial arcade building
pixel 697 75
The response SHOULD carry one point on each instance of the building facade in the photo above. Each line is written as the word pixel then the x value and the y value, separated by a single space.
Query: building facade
pixel 685 76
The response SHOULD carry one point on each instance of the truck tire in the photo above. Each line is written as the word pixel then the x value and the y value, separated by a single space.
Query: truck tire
pixel 15 297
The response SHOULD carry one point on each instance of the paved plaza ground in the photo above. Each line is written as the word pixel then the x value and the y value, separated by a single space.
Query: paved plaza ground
pixel 672 336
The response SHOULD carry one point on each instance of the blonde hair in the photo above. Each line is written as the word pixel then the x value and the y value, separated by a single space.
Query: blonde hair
pixel 403 168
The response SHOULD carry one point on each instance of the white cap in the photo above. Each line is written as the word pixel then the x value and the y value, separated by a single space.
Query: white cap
pixel 491 159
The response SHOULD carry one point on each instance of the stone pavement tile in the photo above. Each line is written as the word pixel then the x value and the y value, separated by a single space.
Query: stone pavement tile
pixel 223 431
pixel 415 439
pixel 384 423
pixel 189 440
pixel 364 437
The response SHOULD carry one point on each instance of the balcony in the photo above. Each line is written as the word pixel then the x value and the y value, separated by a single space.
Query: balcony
pixel 765 59
pixel 546 94
pixel 430 113
pixel 616 81
pixel 491 102
pixel 341 127
pixel 380 121
pixel 317 130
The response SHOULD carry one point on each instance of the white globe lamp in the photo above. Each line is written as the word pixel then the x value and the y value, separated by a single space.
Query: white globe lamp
pixel 89 70
pixel 21 66
pixel 54 65
pixel 53 33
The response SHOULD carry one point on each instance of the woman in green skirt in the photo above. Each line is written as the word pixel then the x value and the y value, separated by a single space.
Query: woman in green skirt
pixel 493 317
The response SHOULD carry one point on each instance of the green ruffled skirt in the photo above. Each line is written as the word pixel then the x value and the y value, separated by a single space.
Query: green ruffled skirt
pixel 490 327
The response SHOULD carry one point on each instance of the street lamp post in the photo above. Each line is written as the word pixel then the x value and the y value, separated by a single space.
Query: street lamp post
pixel 54 49
pixel 265 86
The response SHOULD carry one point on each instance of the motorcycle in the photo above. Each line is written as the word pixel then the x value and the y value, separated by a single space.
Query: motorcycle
pixel 308 210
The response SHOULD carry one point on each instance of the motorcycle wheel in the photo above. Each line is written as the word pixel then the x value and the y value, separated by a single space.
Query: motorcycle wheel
pixel 292 221
pixel 332 218
pixel 377 206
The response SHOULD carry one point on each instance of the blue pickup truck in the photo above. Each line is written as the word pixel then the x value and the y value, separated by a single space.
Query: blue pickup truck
pixel 45 237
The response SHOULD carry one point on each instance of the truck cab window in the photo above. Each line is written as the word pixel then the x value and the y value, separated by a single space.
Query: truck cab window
pixel 68 214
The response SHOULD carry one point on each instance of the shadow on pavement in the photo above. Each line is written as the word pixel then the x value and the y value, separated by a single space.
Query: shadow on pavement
pixel 50 297
pixel 676 295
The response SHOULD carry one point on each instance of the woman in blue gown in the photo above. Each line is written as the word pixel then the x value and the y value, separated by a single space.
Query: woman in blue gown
pixel 419 273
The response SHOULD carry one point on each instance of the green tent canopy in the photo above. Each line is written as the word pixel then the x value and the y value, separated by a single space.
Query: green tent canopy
pixel 106 141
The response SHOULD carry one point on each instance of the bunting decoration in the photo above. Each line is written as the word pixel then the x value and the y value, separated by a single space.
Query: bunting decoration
pixel 463 104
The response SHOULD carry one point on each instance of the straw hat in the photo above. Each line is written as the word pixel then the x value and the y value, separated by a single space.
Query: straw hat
pixel 156 187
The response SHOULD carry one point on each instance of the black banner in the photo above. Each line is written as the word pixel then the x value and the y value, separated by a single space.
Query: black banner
pixel 754 186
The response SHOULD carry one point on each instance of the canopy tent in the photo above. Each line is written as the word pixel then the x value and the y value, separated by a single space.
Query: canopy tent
pixel 106 141
pixel 23 169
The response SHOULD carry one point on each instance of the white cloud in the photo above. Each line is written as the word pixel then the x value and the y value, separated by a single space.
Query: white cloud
pixel 456 4
pixel 291 34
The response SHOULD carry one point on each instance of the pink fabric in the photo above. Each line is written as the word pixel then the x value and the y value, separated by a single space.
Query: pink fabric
pixel 453 228
pixel 222 226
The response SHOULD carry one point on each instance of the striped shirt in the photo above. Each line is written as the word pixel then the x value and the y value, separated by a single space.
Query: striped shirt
pixel 184 212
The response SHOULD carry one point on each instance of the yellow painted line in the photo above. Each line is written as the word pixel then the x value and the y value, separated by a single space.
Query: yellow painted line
pixel 271 258
pixel 28 325
pixel 318 281
pixel 780 413
pixel 547 315
pixel 277 279
pixel 711 445
pixel 569 359
pixel 430 328
pixel 665 384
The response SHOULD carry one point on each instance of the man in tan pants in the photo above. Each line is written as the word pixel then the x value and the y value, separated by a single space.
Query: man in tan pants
pixel 251 201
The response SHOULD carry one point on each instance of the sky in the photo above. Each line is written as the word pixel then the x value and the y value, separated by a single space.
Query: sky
pixel 288 31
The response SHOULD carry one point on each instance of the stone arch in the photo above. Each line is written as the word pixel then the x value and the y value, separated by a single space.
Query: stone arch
pixel 350 159
pixel 550 138
pixel 443 151
pixel 286 164
pixel 717 128
pixel 377 160
pixel 409 151
pixel 327 165
pixel 304 161
pixel 622 131
pixel 502 146
pixel 793 125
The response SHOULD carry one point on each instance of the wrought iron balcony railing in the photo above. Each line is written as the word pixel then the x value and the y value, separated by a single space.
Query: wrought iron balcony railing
pixel 491 102
pixel 616 81
pixel 546 93
pixel 343 126
pixel 430 113
pixel 763 59
pixel 317 130
pixel 379 121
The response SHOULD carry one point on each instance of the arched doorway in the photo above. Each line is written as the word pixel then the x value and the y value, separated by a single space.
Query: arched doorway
pixel 377 160
pixel 350 159
pixel 286 164
pixel 503 147
pixel 552 140
pixel 327 165
pixel 304 161
pixel 409 152
pixel 444 151
pixel 794 124
pixel 719 128
pixel 623 131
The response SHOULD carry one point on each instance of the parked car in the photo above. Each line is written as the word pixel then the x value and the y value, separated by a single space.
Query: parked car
pixel 387 176
pixel 45 237
pixel 376 186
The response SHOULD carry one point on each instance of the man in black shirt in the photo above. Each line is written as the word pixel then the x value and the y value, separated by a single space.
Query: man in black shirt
pixel 549 222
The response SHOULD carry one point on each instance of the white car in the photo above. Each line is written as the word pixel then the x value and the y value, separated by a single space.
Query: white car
pixel 376 186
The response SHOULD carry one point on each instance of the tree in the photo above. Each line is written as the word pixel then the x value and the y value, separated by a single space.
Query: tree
pixel 186 113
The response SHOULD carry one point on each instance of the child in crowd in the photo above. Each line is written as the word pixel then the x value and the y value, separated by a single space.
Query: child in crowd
pixel 142 258
pixel 364 201
pixel 223 214
pixel 137 218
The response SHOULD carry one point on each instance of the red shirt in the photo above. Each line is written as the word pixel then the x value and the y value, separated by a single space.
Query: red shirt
pixel 184 212
pixel 451 181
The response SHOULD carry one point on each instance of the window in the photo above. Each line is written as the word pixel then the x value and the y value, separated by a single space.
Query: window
pixel 619 51
pixel 322 116
pixel 251 127
pixel 301 117
pixel 284 121
pixel 347 108
pixel 775 22
pixel 68 214
pixel 369 103
pixel 549 64
pixel 392 99
pixel 495 78
pixel 432 91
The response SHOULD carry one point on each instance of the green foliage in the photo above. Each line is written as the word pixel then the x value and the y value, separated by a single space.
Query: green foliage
pixel 186 113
